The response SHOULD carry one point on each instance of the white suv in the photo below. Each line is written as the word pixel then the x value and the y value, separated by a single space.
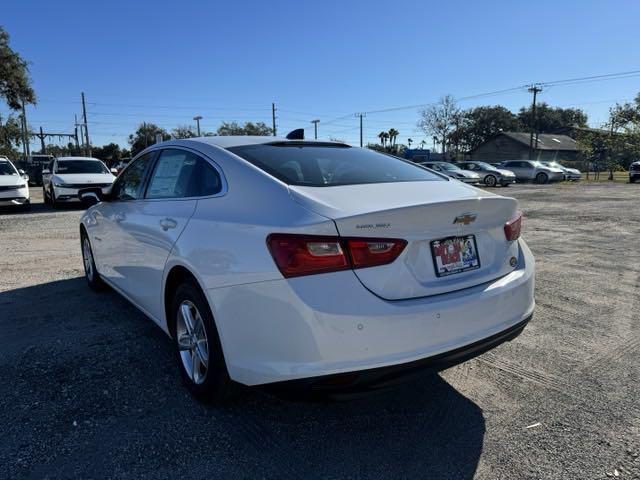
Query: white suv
pixel 14 186
pixel 64 176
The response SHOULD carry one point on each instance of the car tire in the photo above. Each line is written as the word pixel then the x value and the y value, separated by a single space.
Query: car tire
pixel 198 347
pixel 52 199
pixel 542 178
pixel 632 180
pixel 490 181
pixel 90 271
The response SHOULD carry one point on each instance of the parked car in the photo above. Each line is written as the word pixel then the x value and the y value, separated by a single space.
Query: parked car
pixel 307 264
pixel 64 176
pixel 453 171
pixel 571 174
pixel 14 186
pixel 634 172
pixel 489 175
pixel 533 171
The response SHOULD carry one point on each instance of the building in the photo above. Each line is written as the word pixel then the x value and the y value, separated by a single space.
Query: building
pixel 515 145
pixel 417 155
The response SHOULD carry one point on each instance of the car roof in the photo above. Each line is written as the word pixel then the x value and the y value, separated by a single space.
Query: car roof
pixel 79 158
pixel 228 141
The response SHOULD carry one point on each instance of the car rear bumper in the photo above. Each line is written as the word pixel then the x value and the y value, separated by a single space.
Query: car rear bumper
pixel 323 325
pixel 384 377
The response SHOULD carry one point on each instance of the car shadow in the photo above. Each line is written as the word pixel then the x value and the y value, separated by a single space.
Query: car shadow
pixel 89 385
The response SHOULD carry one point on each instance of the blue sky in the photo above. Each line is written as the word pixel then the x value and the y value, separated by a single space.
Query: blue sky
pixel 165 62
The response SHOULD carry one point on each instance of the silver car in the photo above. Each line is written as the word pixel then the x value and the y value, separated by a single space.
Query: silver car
pixel 533 171
pixel 490 175
pixel 453 171
pixel 572 174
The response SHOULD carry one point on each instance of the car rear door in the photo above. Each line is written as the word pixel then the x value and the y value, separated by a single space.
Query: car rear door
pixel 154 224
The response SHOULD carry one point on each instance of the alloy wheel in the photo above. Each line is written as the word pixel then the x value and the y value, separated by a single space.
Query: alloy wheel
pixel 192 342
pixel 87 258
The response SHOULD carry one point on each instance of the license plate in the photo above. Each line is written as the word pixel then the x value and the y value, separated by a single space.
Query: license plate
pixel 455 255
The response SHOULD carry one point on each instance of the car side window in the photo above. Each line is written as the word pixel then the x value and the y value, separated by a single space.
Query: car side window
pixel 181 174
pixel 129 185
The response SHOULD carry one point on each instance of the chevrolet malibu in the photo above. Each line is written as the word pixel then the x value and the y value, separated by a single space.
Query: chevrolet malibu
pixel 64 176
pixel 292 263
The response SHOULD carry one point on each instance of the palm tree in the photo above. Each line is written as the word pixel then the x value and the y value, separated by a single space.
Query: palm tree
pixel 409 142
pixel 382 136
pixel 422 144
pixel 393 134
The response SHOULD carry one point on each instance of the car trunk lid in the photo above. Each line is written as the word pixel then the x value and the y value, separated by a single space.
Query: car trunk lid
pixel 420 213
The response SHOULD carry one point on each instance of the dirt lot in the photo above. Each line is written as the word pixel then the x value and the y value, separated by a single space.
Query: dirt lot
pixel 89 387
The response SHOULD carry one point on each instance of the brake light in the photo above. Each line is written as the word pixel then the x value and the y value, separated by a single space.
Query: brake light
pixel 297 255
pixel 372 252
pixel 513 227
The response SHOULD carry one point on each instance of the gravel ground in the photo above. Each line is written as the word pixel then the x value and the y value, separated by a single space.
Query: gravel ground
pixel 89 388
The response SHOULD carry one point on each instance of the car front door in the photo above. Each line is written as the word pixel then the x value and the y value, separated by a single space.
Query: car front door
pixel 111 242
pixel 516 168
pixel 154 224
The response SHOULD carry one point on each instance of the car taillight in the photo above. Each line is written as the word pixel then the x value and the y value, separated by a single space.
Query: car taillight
pixel 513 227
pixel 371 252
pixel 297 255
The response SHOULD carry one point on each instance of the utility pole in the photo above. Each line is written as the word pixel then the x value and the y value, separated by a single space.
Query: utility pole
pixel 197 118
pixel 273 119
pixel 86 127
pixel 315 128
pixel 43 149
pixel 535 89
pixel 25 134
pixel 360 115
pixel 76 132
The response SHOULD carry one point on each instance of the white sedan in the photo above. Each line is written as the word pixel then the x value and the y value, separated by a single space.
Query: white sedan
pixel 14 186
pixel 64 176
pixel 297 263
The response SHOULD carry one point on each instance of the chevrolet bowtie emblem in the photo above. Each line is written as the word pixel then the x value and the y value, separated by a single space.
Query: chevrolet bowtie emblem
pixel 464 219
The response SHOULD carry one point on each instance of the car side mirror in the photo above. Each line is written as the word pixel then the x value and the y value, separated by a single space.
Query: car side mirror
pixel 114 171
pixel 45 171
pixel 21 171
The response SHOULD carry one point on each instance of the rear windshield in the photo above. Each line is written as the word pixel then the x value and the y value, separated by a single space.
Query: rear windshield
pixel 7 169
pixel 81 166
pixel 330 165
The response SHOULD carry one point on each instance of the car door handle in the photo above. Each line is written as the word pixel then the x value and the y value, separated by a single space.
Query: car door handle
pixel 167 223
pixel 119 217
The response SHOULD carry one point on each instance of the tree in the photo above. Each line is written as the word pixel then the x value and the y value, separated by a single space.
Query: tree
pixel 144 136
pixel 549 119
pixel 481 123
pixel 15 83
pixel 409 141
pixel 383 136
pixel 618 144
pixel 393 135
pixel 440 119
pixel 10 137
pixel 184 131
pixel 110 154
pixel 249 128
